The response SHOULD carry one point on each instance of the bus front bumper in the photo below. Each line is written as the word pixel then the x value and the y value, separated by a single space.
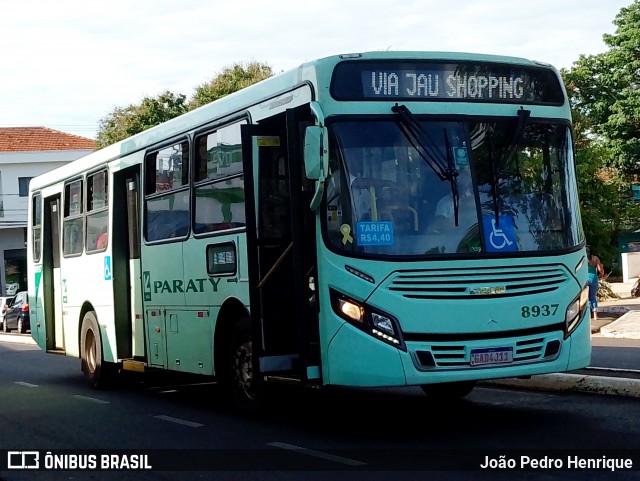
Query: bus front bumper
pixel 354 358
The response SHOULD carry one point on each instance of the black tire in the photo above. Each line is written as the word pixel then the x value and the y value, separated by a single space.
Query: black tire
pixel 449 390
pixel 246 390
pixel 97 372
pixel 5 328
pixel 21 327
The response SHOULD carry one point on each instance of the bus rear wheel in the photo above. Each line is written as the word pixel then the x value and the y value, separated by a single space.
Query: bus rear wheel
pixel 96 371
pixel 448 390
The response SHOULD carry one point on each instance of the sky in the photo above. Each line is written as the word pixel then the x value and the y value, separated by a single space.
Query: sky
pixel 66 64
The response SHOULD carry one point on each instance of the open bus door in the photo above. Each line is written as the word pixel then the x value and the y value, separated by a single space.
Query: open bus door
pixel 54 288
pixel 281 250
pixel 126 267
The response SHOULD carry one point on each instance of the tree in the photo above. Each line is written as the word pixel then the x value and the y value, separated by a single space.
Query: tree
pixel 127 121
pixel 605 203
pixel 606 91
pixel 124 122
pixel 605 100
pixel 229 80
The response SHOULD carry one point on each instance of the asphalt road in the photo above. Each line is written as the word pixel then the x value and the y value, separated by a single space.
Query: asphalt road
pixel 608 352
pixel 385 434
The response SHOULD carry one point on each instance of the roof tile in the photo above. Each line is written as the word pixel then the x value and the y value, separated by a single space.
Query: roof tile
pixel 36 139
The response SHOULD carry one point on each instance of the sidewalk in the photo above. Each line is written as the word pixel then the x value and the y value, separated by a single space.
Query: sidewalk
pixel 619 318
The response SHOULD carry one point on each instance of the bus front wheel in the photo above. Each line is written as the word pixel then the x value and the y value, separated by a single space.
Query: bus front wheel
pixel 242 375
pixel 96 371
pixel 249 394
pixel 448 390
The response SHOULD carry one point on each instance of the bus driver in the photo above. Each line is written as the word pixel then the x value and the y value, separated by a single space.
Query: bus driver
pixel 445 211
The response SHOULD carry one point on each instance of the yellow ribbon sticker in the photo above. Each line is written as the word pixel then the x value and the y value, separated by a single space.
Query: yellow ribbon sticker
pixel 346 231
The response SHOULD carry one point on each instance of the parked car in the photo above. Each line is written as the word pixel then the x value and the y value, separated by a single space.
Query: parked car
pixel 16 316
pixel 4 302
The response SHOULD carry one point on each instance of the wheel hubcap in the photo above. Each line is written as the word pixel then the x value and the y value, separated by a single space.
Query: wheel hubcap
pixel 90 351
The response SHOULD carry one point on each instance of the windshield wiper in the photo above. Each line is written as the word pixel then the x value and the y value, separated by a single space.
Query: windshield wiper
pixel 499 166
pixel 442 165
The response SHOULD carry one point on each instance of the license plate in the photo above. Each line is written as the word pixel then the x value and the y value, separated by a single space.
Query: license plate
pixel 491 355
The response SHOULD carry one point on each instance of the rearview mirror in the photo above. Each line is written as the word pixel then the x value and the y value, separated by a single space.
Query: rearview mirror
pixel 313 152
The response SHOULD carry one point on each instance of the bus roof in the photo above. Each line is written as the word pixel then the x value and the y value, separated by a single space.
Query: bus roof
pixel 247 97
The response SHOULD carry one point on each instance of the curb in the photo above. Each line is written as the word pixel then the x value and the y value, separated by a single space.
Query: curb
pixel 614 309
pixel 615 386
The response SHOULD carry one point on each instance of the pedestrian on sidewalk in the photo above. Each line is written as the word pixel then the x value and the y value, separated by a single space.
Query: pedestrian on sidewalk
pixel 596 271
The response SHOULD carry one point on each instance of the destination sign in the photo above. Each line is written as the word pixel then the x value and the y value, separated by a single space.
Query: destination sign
pixel 479 82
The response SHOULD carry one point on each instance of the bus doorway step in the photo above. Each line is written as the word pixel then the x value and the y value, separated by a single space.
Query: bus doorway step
pixel 61 352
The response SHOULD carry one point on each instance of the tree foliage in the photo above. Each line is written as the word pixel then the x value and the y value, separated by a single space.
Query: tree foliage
pixel 229 80
pixel 606 91
pixel 605 204
pixel 124 122
pixel 604 97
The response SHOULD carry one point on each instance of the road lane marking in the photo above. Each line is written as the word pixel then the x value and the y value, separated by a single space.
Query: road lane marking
pixel 92 399
pixel 179 421
pixel 25 384
pixel 317 454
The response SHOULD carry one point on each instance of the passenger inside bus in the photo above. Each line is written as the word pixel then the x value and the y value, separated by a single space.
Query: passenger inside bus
pixel 101 243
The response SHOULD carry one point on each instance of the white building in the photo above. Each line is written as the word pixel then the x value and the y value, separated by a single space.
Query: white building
pixel 26 152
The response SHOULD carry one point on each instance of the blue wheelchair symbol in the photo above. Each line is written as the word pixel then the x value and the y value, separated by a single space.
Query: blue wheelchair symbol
pixel 107 268
pixel 500 236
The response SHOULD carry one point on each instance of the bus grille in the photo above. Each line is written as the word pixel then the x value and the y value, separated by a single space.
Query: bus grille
pixel 478 283
pixel 456 355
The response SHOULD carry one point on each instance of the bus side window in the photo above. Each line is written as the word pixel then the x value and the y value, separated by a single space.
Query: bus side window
pixel 73 221
pixel 72 237
pixel 167 193
pixel 97 212
pixel 219 183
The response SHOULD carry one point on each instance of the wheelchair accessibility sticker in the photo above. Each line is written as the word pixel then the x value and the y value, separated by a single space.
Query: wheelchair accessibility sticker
pixel 107 268
pixel 499 236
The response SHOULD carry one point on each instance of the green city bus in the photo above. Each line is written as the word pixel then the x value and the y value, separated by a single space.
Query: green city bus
pixel 370 219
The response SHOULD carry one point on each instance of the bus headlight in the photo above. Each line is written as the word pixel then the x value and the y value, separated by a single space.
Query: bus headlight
pixel 351 310
pixel 372 321
pixel 575 311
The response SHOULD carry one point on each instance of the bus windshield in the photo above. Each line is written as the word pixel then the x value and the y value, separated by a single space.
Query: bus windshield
pixel 491 185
